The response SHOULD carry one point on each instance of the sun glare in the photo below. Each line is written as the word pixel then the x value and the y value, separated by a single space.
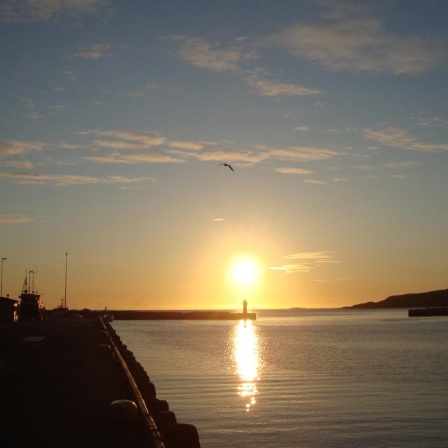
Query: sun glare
pixel 244 271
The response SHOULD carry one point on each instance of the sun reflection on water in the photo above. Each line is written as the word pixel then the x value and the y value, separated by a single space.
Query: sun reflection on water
pixel 246 355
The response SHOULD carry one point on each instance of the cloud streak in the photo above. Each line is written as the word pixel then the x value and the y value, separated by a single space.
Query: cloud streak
pixel 48 10
pixel 68 179
pixel 249 157
pixel 401 138
pixel 94 52
pixel 203 54
pixel 137 147
pixel 133 159
pixel 303 153
pixel 179 151
pixel 308 261
pixel 193 146
pixel 13 219
pixel 400 165
pixel 293 171
pixel 12 148
pixel 266 87
pixel 354 41
pixel 18 164
pixel 145 138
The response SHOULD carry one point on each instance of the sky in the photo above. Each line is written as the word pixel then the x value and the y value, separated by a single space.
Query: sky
pixel 116 117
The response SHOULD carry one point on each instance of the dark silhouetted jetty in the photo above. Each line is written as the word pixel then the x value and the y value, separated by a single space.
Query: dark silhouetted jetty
pixel 184 315
pixel 428 312
pixel 181 315
pixel 63 383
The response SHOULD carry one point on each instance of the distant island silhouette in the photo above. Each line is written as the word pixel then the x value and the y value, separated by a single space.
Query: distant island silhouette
pixel 412 300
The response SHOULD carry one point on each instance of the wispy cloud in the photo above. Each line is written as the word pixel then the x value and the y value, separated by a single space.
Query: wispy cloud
pixel 399 176
pixel 13 219
pixel 16 147
pixel 303 153
pixel 293 171
pixel 68 146
pixel 308 261
pixel 267 87
pixel 133 159
pixel 179 151
pixel 30 108
pixel 291 268
pixel 431 122
pixel 194 146
pixel 403 139
pixel 365 167
pixel 145 139
pixel 94 52
pixel 175 151
pixel 351 39
pixel 399 165
pixel 141 93
pixel 48 10
pixel 318 256
pixel 248 157
pixel 152 158
pixel 120 145
pixel 203 54
pixel 135 93
pixel 134 147
pixel 68 179
pixel 314 181
pixel 226 151
pixel 18 164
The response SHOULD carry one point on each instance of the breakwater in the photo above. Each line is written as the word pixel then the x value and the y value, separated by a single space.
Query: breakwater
pixel 160 421
pixel 181 315
pixel 428 312
pixel 58 381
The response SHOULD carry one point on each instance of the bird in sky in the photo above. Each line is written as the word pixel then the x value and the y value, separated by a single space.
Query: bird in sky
pixel 226 164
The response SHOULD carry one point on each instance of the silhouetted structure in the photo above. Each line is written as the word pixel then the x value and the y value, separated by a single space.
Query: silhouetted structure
pixel 30 307
pixel 8 309
pixel 180 315
pixel 428 312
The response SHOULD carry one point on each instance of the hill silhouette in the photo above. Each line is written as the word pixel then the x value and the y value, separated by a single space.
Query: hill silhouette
pixel 412 300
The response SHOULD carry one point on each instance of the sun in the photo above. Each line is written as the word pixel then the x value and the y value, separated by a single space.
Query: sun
pixel 244 271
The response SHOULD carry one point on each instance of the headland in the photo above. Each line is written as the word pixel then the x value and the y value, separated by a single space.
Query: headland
pixel 430 299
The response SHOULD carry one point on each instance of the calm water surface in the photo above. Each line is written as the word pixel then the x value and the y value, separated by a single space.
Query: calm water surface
pixel 302 378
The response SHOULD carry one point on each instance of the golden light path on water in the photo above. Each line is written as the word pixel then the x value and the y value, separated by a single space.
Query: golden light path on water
pixel 246 355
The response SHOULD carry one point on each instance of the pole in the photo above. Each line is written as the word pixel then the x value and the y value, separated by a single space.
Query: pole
pixel 65 293
pixel 1 281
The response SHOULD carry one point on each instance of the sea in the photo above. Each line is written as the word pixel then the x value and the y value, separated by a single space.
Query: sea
pixel 302 378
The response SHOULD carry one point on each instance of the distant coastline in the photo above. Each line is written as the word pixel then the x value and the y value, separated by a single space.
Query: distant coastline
pixel 429 299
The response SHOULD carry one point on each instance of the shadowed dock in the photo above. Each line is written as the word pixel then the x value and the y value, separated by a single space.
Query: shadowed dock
pixel 56 387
